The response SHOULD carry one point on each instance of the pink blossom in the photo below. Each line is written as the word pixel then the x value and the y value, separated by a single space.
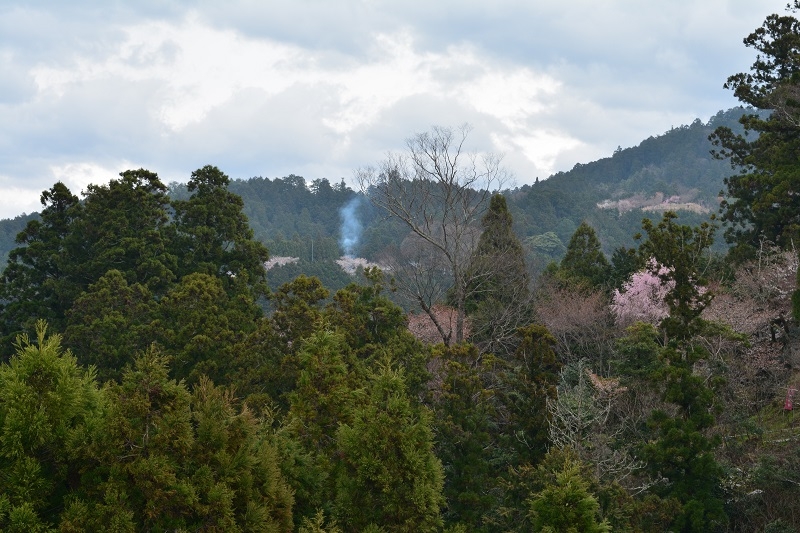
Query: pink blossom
pixel 642 298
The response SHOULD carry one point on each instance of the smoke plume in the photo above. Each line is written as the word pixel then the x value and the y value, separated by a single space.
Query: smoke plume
pixel 351 227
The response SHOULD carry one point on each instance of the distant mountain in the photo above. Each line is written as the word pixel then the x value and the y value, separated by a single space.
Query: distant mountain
pixel 670 171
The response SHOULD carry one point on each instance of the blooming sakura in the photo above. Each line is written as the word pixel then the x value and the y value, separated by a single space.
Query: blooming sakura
pixel 642 297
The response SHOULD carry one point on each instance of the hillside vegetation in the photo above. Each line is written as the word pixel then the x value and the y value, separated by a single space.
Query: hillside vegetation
pixel 574 355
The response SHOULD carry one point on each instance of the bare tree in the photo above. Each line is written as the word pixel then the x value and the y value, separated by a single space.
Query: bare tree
pixel 440 191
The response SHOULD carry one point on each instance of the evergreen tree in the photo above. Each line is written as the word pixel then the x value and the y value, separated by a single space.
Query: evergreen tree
pixel 497 267
pixel 200 325
pixel 567 505
pixel 389 476
pixel 35 284
pixel 464 425
pixel 681 451
pixel 49 410
pixel 124 225
pixel 526 383
pixel 584 261
pixel 679 253
pixel 168 459
pixel 214 236
pixel 497 294
pixel 110 322
pixel 320 402
pixel 761 202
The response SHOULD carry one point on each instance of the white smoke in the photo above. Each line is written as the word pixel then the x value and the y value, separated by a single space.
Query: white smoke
pixel 351 227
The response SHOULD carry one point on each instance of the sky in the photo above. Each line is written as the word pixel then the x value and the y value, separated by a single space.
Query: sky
pixel 319 89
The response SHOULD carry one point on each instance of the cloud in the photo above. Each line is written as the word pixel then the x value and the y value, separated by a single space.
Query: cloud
pixel 320 88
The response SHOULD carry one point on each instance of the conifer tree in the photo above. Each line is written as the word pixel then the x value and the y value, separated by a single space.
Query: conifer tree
pixel 389 476
pixel 214 236
pixel 680 450
pixel 498 294
pixel 110 322
pixel 567 505
pixel 34 284
pixel 464 417
pixel 124 225
pixel 49 409
pixel 584 261
pixel 525 384
pixel 166 458
pixel 497 266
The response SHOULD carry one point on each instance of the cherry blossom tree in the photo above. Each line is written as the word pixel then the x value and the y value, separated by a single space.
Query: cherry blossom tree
pixel 642 297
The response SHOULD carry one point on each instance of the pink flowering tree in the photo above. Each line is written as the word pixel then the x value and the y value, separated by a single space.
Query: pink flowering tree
pixel 643 297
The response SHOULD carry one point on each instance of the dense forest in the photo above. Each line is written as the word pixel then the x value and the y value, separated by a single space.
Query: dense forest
pixel 615 348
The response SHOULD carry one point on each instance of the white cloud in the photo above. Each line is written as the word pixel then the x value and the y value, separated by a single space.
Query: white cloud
pixel 302 86
pixel 197 69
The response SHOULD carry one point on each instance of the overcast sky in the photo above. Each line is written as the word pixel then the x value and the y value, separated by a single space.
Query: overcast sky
pixel 320 88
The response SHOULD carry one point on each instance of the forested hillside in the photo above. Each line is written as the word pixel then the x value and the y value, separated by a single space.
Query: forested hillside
pixel 556 371
pixel 291 215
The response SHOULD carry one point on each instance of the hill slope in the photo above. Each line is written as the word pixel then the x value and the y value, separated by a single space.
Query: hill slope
pixel 670 171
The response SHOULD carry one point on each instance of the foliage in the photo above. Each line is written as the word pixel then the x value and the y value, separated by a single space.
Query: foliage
pixel 679 252
pixel 125 224
pixel 35 284
pixel 214 236
pixel 167 458
pixel 567 505
pixel 584 261
pixel 526 383
pixel 49 409
pixel 761 202
pixel 109 322
pixel 498 296
pixel 464 422
pixel 389 476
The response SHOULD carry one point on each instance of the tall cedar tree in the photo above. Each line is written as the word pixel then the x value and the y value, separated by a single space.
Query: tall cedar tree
pixel 584 261
pixel 214 236
pixel 680 253
pixel 124 225
pixel 464 415
pixel 167 459
pixel 49 407
pixel 388 476
pixel 497 267
pixel 109 322
pixel 527 382
pixel 682 452
pixel 498 294
pixel 34 284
